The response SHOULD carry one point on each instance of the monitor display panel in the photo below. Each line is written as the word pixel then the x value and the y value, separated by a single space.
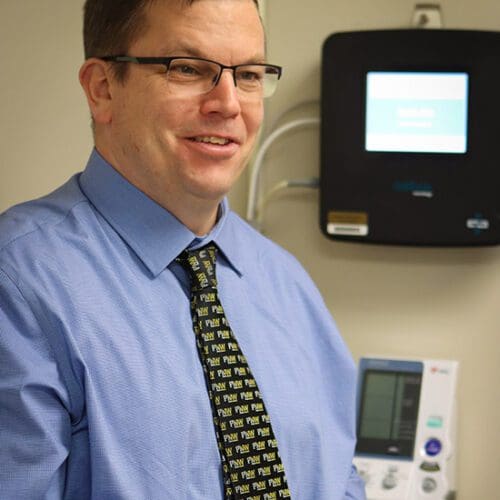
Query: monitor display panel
pixel 416 112
pixel 388 413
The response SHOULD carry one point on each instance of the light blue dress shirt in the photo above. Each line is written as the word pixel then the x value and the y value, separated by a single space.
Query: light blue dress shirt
pixel 102 395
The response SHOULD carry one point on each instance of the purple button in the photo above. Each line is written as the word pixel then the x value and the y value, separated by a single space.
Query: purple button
pixel 433 446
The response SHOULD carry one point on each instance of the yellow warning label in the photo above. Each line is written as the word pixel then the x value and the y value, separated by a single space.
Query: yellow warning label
pixel 344 217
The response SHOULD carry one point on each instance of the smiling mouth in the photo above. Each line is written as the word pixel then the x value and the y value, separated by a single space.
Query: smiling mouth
pixel 220 141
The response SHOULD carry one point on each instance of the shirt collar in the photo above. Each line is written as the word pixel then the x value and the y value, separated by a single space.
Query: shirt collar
pixel 155 235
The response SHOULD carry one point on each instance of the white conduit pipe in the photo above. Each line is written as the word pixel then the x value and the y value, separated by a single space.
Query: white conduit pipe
pixel 257 164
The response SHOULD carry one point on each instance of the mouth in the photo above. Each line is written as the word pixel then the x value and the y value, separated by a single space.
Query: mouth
pixel 211 139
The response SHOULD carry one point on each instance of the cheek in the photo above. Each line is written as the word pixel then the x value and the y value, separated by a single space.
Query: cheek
pixel 170 117
pixel 130 117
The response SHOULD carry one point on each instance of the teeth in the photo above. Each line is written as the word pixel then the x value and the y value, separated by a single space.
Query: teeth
pixel 212 140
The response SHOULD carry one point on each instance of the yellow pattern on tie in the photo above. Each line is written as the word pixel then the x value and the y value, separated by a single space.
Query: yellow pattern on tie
pixel 251 464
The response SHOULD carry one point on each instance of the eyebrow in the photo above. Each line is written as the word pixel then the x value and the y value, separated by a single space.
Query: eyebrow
pixel 182 49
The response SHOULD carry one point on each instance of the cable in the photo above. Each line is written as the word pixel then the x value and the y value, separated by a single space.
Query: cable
pixel 257 164
pixel 312 182
pixel 295 107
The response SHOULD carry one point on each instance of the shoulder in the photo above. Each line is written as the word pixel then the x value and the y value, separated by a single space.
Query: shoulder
pixel 26 226
pixel 282 287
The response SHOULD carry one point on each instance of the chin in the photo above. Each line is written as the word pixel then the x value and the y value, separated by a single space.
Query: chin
pixel 215 186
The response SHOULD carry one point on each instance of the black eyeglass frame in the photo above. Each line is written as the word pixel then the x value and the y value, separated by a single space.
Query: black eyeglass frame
pixel 166 61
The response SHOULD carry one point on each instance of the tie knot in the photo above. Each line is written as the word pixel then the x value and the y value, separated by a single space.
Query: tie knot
pixel 200 265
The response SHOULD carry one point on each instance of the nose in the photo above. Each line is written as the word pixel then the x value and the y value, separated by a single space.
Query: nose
pixel 223 98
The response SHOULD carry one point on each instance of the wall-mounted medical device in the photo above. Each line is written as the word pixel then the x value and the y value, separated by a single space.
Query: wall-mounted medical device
pixel 406 426
pixel 410 137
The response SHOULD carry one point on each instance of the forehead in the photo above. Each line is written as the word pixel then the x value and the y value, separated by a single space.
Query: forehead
pixel 230 30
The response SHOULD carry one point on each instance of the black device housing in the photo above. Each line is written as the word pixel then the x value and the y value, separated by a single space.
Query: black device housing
pixel 376 190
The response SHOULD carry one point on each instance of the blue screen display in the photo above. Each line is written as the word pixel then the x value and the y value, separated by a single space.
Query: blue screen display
pixel 416 112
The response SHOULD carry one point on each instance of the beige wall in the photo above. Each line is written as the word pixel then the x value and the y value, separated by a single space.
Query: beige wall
pixel 44 125
pixel 389 300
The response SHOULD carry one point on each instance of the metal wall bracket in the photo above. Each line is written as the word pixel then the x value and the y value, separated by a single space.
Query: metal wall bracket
pixel 427 15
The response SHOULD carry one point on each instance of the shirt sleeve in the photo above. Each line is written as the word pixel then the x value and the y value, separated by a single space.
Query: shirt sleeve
pixel 355 486
pixel 35 426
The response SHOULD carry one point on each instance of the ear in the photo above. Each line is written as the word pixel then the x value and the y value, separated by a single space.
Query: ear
pixel 95 80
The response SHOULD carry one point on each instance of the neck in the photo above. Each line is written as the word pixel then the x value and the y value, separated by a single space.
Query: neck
pixel 199 217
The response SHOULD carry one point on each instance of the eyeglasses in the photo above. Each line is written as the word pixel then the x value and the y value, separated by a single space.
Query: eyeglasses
pixel 191 76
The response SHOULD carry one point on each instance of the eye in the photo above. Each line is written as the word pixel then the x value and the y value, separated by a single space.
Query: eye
pixel 250 76
pixel 184 69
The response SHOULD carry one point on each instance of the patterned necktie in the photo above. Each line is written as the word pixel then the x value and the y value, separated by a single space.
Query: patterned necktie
pixel 251 464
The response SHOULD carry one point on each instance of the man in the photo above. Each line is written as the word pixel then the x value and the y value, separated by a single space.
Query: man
pixel 106 390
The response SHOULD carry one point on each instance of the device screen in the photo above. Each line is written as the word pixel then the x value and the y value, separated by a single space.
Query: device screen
pixel 388 412
pixel 416 112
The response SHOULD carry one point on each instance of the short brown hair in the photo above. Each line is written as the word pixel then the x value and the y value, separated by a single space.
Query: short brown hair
pixel 111 26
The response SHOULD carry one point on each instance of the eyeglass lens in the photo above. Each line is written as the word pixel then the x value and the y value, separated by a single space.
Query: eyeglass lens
pixel 193 76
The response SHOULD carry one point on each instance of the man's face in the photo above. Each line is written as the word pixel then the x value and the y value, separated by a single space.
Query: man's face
pixel 155 135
